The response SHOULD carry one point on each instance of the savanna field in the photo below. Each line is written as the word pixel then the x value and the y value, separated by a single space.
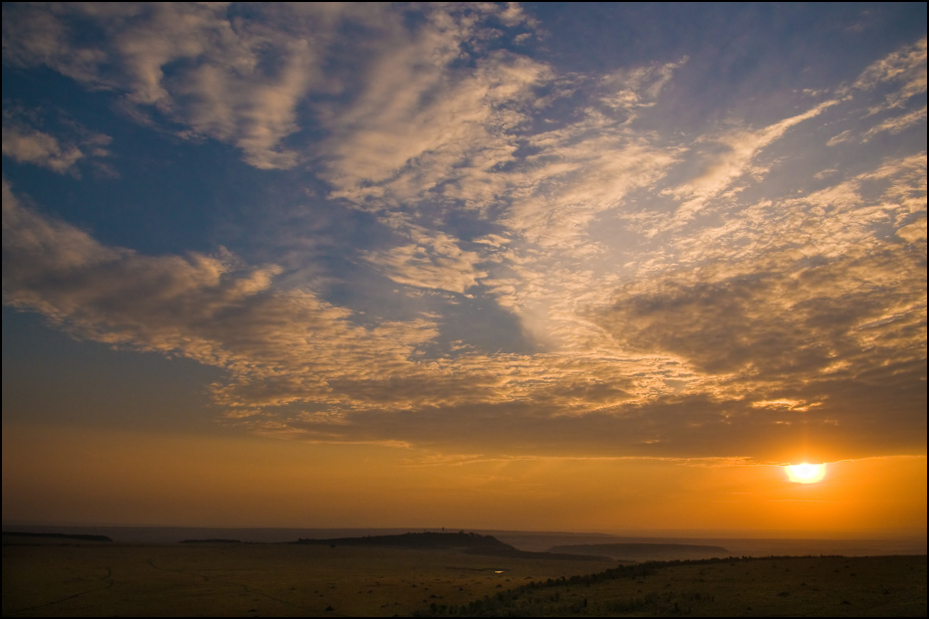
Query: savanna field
pixel 54 578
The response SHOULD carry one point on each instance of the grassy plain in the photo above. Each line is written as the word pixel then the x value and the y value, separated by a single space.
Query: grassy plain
pixel 99 579
pixel 89 579
pixel 766 587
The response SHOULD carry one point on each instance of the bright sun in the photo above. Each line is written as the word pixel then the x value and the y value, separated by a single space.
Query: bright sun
pixel 805 473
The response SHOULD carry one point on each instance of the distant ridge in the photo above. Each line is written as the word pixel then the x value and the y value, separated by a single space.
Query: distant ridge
pixel 72 536
pixel 468 541
pixel 646 551
pixel 212 540
pixel 471 543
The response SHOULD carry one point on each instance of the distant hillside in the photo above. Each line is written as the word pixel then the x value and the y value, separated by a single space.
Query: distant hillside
pixel 63 536
pixel 471 543
pixel 645 552
pixel 418 540
pixel 212 540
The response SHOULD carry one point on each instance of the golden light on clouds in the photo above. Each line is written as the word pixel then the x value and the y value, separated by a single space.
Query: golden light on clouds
pixel 465 272
pixel 805 473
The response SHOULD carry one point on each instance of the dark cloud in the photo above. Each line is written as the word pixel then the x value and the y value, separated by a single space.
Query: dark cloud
pixel 787 325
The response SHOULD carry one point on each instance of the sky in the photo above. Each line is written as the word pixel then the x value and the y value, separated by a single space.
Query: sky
pixel 592 267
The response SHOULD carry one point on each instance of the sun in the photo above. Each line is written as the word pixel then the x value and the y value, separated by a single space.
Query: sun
pixel 805 473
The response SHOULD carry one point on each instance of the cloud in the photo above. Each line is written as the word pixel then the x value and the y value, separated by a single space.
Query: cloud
pixel 828 223
pixel 638 87
pixel 112 294
pixel 679 355
pixel 809 301
pixel 435 260
pixel 234 80
pixel 294 362
pixel 25 143
pixel 209 308
pixel 906 67
pixel 33 35
pixel 799 323
pixel 734 153
pixel 896 124
pixel 677 305
pixel 460 140
pixel 581 171
pixel 445 132
pixel 913 232
pixel 278 346
pixel 887 84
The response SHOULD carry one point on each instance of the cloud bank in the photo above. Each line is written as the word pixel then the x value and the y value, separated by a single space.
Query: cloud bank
pixel 686 291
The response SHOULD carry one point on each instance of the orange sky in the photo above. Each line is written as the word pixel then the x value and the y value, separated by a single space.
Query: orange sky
pixel 603 267
pixel 80 476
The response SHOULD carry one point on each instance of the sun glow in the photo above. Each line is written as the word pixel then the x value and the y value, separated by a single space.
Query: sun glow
pixel 805 473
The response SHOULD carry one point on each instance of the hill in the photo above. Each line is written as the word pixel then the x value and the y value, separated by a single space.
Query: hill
pixel 470 543
pixel 81 537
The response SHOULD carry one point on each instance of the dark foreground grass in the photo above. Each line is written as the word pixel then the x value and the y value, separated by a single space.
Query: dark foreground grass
pixel 773 586
pixel 239 579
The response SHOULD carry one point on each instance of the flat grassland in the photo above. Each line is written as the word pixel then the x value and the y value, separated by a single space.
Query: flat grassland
pixel 751 587
pixel 91 579
pixel 222 579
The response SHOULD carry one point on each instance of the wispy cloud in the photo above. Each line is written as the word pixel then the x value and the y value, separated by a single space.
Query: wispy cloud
pixel 639 87
pixel 738 149
pixel 434 260
pixel 897 123
pixel 444 133
pixel 235 80
pixel 31 146
pixel 904 68
pixel 686 292
pixel 25 143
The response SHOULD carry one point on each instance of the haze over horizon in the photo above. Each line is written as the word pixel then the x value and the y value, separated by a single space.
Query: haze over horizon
pixel 599 267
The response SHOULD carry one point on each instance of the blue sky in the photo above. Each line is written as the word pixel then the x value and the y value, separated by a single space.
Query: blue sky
pixel 611 230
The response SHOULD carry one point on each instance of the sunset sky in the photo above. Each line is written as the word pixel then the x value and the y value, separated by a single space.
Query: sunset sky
pixel 597 267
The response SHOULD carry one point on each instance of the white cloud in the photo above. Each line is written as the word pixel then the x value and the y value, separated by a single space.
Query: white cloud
pixel 238 81
pixel 580 172
pixel 739 149
pixel 845 136
pixel 913 232
pixel 897 124
pixel 434 260
pixel 278 347
pixel 906 66
pixel 444 132
pixel 638 87
pixel 27 145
